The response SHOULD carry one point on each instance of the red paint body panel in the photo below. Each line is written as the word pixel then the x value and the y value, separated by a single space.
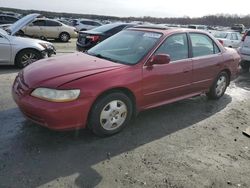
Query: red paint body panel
pixel 151 86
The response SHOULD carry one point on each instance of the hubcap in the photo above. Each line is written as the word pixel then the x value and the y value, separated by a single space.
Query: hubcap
pixel 221 85
pixel 28 58
pixel 64 37
pixel 113 115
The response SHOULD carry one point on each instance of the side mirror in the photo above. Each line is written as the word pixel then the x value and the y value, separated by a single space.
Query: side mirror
pixel 159 59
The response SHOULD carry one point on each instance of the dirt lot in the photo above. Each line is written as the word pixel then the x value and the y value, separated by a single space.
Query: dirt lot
pixel 188 144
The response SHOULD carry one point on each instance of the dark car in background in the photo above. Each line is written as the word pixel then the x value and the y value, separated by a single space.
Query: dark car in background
pixel 88 39
pixel 5 19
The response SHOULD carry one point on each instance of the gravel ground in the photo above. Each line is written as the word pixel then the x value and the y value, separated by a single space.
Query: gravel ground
pixel 187 144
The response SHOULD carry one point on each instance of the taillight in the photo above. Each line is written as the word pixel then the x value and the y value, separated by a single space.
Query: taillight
pixel 221 41
pixel 244 37
pixel 94 38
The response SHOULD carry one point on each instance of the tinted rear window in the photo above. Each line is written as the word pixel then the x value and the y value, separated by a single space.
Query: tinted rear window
pixel 105 28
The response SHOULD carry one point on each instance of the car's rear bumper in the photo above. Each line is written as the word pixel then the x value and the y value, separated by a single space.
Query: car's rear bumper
pixel 82 48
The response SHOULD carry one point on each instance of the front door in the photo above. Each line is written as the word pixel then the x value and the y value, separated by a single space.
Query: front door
pixel 5 50
pixel 168 82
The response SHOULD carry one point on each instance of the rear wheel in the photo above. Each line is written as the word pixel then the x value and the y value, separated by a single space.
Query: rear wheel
pixel 219 86
pixel 64 37
pixel 27 57
pixel 110 114
pixel 245 65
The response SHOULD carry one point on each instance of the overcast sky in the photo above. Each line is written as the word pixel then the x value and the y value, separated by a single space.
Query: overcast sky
pixel 124 8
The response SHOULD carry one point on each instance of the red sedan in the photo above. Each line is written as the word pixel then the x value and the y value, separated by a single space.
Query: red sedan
pixel 134 70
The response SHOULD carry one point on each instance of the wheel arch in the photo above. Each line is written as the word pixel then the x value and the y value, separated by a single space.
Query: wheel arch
pixel 228 73
pixel 123 90
pixel 24 49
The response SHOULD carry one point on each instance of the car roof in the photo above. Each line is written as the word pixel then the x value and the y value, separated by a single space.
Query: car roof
pixel 165 30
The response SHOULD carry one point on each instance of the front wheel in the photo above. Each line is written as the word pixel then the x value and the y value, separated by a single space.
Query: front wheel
pixel 26 57
pixel 110 114
pixel 219 86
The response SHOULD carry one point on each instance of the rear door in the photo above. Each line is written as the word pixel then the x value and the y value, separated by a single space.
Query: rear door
pixel 52 29
pixel 207 60
pixel 235 40
pixel 166 82
pixel 5 50
pixel 246 45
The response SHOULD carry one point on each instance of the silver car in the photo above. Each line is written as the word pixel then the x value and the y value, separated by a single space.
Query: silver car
pixel 229 39
pixel 21 51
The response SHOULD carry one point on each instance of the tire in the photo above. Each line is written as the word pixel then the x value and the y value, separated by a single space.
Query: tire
pixel 26 57
pixel 110 114
pixel 219 86
pixel 245 65
pixel 64 37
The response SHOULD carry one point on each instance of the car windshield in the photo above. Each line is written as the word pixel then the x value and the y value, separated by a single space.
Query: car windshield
pixel 221 35
pixel 126 47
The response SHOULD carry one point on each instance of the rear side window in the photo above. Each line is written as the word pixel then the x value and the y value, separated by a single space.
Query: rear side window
pixel 116 29
pixel 50 23
pixel 90 23
pixel 176 46
pixel 203 45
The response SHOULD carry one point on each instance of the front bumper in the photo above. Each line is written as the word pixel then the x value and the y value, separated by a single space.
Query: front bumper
pixel 56 116
pixel 49 51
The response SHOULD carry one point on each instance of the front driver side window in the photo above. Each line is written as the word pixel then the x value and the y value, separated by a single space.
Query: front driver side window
pixel 176 46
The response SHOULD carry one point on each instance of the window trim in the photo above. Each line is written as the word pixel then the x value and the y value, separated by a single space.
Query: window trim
pixel 214 43
pixel 188 45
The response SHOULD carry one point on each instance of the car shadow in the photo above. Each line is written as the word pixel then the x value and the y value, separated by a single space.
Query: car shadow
pixel 36 156
pixel 243 81
pixel 7 69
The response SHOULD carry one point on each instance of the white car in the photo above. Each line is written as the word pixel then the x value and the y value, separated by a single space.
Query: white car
pixel 85 24
pixel 229 39
pixel 244 50
pixel 49 29
pixel 21 51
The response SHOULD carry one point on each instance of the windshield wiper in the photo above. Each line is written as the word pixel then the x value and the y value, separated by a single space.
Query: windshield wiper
pixel 103 57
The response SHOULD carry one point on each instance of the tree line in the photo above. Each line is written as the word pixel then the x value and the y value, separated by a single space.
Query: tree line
pixel 210 20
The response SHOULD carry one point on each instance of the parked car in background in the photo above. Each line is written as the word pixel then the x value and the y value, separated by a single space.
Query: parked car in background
pixel 20 51
pixel 85 24
pixel 88 39
pixel 136 69
pixel 244 50
pixel 49 29
pixel 229 39
pixel 4 26
pixel 238 27
pixel 5 19
pixel 201 27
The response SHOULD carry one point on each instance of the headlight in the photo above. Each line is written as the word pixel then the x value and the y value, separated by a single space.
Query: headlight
pixel 47 45
pixel 55 95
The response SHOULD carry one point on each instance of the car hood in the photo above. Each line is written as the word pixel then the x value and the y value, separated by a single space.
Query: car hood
pixel 28 40
pixel 14 28
pixel 56 71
